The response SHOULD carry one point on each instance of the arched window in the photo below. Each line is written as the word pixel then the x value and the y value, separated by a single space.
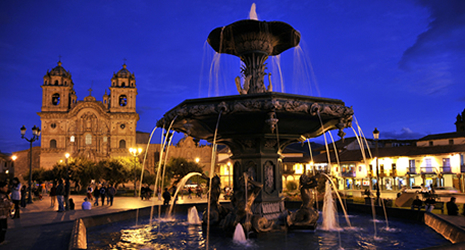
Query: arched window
pixel 56 99
pixel 88 139
pixel 72 138
pixel 123 100
pixel 123 84
pixel 53 143
pixel 56 82
pixel 46 83
pixel 122 144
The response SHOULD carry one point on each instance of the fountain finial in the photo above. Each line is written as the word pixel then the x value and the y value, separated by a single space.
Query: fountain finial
pixel 253 41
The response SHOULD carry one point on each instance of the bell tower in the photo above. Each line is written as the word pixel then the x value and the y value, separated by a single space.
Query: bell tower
pixel 58 94
pixel 123 92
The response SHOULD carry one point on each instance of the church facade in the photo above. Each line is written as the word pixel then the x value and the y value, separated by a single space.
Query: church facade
pixel 87 128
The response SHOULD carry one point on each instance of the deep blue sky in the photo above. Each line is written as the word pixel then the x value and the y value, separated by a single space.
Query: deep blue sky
pixel 398 63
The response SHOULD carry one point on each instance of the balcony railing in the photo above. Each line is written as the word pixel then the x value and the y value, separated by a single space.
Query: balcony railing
pixel 428 170
pixel 447 169
pixel 348 174
pixel 412 170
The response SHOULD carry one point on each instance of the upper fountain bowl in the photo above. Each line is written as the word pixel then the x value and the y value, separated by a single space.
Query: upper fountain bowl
pixel 252 36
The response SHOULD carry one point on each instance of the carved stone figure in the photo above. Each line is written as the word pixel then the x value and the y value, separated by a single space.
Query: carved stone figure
pixel 306 216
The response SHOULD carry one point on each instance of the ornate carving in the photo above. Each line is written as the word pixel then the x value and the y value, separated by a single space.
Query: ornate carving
pixel 270 143
pixel 294 106
pixel 272 121
pixel 269 177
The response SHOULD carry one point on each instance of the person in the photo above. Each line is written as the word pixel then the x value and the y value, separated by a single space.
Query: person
pixel 367 192
pixel 103 193
pixel 96 195
pixel 189 191
pixel 142 192
pixel 53 195
pixel 60 196
pixel 432 188
pixel 148 192
pixel 159 193
pixel 89 192
pixel 417 203
pixel 166 197
pixel 71 204
pixel 452 208
pixel 16 196
pixel 111 191
pixel 23 196
pixel 66 197
pixel 86 204
pixel 5 206
pixel 429 204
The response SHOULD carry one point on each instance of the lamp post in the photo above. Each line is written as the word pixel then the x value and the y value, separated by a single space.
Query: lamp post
pixel 376 137
pixel 35 137
pixel 135 152
pixel 67 187
pixel 11 171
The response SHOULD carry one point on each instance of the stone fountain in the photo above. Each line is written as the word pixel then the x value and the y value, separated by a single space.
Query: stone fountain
pixel 257 124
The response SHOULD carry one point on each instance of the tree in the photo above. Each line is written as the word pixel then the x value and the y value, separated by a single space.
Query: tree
pixel 83 171
pixel 179 167
pixel 116 170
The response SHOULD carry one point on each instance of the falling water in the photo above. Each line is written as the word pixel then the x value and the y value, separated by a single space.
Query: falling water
pixel 340 200
pixel 193 216
pixel 360 142
pixel 239 235
pixel 330 221
pixel 303 72
pixel 212 169
pixel 145 158
pixel 253 12
pixel 181 184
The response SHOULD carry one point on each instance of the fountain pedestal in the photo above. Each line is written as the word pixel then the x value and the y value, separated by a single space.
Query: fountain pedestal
pixel 257 124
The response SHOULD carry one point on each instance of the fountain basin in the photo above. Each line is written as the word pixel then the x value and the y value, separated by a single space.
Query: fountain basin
pixel 179 235
pixel 294 117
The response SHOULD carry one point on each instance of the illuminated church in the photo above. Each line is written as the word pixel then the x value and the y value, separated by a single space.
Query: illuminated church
pixel 88 128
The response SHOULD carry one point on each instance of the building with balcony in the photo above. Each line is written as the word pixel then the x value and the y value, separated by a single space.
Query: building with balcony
pixel 436 160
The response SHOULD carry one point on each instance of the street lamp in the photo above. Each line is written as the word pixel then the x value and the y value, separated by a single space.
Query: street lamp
pixel 135 152
pixel 35 137
pixel 67 187
pixel 376 137
pixel 11 171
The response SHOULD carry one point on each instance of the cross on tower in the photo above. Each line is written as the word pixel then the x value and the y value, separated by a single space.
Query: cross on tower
pixel 90 92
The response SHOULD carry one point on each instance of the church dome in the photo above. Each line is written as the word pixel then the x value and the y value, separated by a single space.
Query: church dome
pixel 123 73
pixel 59 71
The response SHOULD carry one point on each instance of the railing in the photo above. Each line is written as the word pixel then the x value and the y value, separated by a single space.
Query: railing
pixel 348 174
pixel 428 170
pixel 447 169
pixel 412 170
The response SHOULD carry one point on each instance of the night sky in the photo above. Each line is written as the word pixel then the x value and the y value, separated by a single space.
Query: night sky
pixel 398 63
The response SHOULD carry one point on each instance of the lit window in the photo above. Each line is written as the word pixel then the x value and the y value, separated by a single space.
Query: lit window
pixel 88 139
pixel 72 138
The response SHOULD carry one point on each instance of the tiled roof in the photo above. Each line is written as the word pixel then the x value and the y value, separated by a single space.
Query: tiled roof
pixel 356 155
pixel 443 136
